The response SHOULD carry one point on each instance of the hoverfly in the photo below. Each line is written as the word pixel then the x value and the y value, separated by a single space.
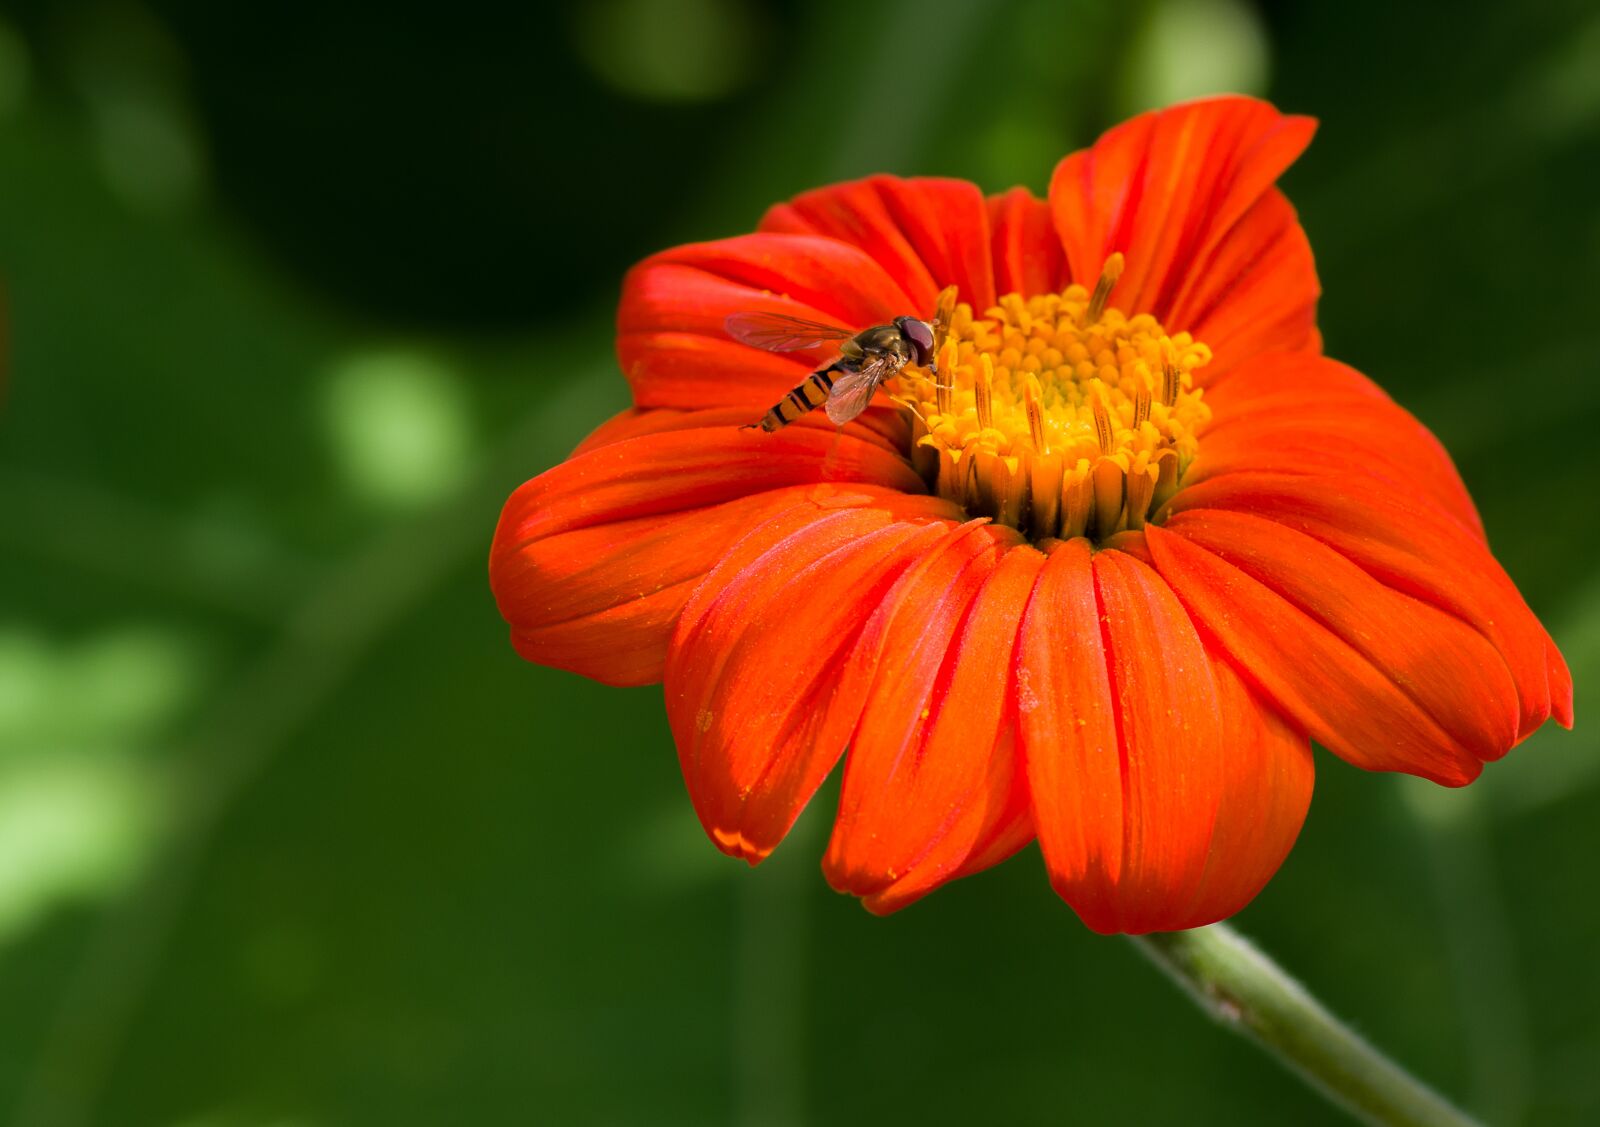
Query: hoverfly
pixel 866 358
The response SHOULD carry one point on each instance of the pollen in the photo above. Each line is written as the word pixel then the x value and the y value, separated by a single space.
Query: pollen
pixel 1058 414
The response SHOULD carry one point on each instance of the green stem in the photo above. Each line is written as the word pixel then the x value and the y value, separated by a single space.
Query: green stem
pixel 1249 993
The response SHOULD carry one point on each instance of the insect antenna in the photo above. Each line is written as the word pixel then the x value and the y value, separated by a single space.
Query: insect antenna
pixel 909 405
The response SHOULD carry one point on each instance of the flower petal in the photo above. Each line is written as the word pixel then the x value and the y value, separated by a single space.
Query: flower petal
pixel 603 601
pixel 1309 414
pixel 692 466
pixel 1415 548
pixel 1266 791
pixel 1309 671
pixel 1028 258
pixel 1067 724
pixel 1442 666
pixel 754 697
pixel 593 560
pixel 1177 192
pixel 926 233
pixel 888 428
pixel 1121 731
pixel 932 789
pixel 1256 292
pixel 671 339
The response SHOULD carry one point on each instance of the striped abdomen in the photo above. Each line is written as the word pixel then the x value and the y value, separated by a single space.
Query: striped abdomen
pixel 809 394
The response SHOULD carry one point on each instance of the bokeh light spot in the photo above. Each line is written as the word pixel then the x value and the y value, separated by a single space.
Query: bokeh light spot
pixel 130 73
pixel 68 828
pixel 1189 48
pixel 131 680
pixel 81 802
pixel 669 50
pixel 110 692
pixel 27 687
pixel 398 422
pixel 151 158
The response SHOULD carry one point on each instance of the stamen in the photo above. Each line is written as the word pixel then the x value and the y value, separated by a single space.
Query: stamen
pixel 1102 418
pixel 1035 417
pixel 942 386
pixel 1042 414
pixel 1109 273
pixel 1169 381
pixel 983 386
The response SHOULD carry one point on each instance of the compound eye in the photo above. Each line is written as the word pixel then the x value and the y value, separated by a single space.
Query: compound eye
pixel 920 334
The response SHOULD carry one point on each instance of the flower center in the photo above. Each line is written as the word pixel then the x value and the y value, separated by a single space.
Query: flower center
pixel 1057 414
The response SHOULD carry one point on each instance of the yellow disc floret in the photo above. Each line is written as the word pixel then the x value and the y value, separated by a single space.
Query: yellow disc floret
pixel 1057 414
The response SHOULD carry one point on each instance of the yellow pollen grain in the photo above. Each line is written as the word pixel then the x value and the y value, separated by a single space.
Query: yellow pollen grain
pixel 1057 415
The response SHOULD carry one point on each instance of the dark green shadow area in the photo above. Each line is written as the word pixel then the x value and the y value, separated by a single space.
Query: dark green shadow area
pixel 295 297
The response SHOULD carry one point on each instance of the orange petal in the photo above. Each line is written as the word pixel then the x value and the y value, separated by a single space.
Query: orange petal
pixel 593 560
pixel 1315 415
pixel 1266 791
pixel 1413 547
pixel 754 697
pixel 1067 727
pixel 694 369
pixel 1168 189
pixel 932 789
pixel 602 601
pixel 1310 673
pixel 1256 292
pixel 926 233
pixel 685 468
pixel 1028 258
pixel 670 333
pixel 1442 666
pixel 1137 757
pixel 889 428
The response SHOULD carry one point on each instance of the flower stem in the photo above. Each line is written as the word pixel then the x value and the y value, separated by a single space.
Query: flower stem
pixel 1249 993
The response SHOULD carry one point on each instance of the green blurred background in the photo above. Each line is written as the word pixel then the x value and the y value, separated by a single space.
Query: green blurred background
pixel 297 293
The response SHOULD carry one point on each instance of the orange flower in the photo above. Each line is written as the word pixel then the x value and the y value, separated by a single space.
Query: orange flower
pixel 1096 583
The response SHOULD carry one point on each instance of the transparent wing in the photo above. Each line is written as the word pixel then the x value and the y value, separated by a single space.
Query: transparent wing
pixel 853 391
pixel 778 332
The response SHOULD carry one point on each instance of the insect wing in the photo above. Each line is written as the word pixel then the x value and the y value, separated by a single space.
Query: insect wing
pixel 778 332
pixel 854 390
